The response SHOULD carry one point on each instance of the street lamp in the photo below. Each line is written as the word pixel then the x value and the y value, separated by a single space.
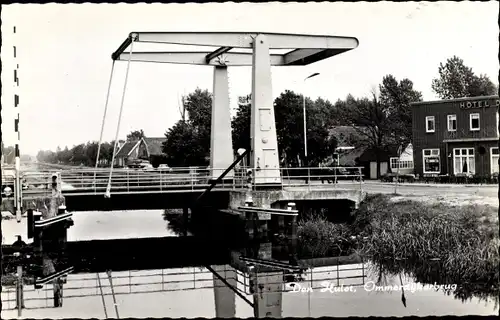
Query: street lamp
pixel 304 111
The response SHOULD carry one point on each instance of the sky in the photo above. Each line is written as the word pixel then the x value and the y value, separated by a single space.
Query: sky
pixel 64 57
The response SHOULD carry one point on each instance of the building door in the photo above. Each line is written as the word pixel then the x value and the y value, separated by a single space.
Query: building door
pixel 373 170
pixel 463 161
pixel 383 168
pixel 494 160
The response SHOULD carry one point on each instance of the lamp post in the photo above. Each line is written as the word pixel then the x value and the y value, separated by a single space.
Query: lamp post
pixel 305 125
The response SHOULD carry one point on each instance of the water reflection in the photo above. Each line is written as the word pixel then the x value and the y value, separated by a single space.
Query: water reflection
pixel 200 276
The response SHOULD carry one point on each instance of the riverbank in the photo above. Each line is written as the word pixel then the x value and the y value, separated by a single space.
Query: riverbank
pixel 452 242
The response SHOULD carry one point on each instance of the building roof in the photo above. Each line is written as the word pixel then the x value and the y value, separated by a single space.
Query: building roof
pixel 387 152
pixel 127 148
pixel 155 145
pixel 347 136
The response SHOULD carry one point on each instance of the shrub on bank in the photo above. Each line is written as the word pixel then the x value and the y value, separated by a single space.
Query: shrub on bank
pixel 319 238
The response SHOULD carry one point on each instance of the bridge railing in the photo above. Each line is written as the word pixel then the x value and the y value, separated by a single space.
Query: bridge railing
pixel 184 179
pixel 308 176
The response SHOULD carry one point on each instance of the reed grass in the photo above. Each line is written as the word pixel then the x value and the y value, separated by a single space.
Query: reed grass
pixel 319 238
pixel 461 241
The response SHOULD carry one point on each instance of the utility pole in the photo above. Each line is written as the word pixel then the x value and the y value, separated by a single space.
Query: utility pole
pixel 19 291
pixel 397 172
pixel 305 122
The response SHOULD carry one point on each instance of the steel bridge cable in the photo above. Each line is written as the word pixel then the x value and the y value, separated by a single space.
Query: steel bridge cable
pixel 103 122
pixel 108 188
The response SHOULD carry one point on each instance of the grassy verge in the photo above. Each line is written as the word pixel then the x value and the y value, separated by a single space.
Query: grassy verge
pixel 431 242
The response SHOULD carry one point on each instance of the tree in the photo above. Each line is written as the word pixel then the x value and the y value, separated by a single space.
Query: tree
pixel 396 98
pixel 78 155
pixel 135 135
pixel 198 105
pixel 182 147
pixel 373 122
pixel 290 128
pixel 289 116
pixel 188 141
pixel 47 156
pixel 91 153
pixel 64 156
pixel 456 80
pixel 240 124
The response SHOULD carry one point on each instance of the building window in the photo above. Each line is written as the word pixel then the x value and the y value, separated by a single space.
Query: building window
pixel 432 162
pixel 403 164
pixel 474 121
pixel 430 125
pixel 463 161
pixel 494 160
pixel 452 122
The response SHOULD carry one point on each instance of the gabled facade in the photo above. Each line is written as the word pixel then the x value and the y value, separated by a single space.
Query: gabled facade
pixel 143 149
pixel 456 137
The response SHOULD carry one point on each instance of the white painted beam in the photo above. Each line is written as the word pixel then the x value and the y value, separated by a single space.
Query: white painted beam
pixel 230 59
pixel 245 39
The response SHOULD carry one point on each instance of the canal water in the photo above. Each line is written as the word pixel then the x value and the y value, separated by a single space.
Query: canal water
pixel 188 292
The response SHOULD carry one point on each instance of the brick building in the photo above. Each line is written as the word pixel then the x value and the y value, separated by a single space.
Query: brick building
pixel 456 137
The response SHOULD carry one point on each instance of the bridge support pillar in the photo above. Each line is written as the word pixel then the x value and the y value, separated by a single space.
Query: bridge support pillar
pixel 221 142
pixel 264 157
pixel 268 296
pixel 225 298
pixel 267 286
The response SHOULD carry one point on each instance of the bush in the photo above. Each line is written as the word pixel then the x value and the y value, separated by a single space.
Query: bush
pixel 319 238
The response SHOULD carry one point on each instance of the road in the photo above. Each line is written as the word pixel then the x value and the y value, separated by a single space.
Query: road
pixel 432 189
pixel 431 193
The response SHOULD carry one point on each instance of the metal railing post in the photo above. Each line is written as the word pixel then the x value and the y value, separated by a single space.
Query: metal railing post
pixel 19 290
pixel 161 184
pixel 282 184
pixel 360 180
pixel 128 181
pixel 309 178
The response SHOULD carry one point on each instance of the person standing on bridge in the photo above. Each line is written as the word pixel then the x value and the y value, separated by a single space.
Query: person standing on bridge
pixel 19 244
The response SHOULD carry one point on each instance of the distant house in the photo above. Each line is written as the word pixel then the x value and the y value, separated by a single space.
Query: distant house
pixel 350 145
pixel 388 161
pixel 352 151
pixel 149 149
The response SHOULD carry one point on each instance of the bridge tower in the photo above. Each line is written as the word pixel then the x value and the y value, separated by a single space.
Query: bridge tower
pixel 305 49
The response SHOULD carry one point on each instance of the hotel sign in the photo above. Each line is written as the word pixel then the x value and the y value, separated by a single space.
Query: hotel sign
pixel 477 104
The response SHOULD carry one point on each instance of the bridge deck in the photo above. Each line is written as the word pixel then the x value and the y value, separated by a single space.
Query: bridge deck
pixel 84 189
pixel 172 180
